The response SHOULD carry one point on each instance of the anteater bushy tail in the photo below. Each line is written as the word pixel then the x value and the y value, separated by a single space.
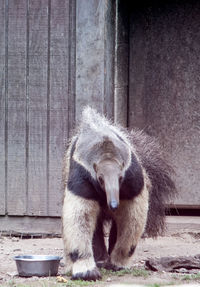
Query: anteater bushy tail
pixel 160 174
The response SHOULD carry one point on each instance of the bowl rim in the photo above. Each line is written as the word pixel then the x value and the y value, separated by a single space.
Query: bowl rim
pixel 37 258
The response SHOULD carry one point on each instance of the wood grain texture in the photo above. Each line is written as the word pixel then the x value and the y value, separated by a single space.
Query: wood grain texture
pixel 58 117
pixel 26 225
pixel 38 108
pixel 174 264
pixel 109 57
pixel 2 108
pixel 38 104
pixel 16 177
pixel 72 67
pixel 165 84
pixel 121 63
pixel 182 224
pixel 44 225
pixel 89 55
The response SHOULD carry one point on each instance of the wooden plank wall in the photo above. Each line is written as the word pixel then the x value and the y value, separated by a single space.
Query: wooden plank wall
pixel 164 86
pixel 121 64
pixel 55 58
pixel 16 107
pixel 95 56
pixel 58 102
pixel 34 120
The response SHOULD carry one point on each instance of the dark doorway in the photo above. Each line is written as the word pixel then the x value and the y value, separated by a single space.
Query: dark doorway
pixel 164 85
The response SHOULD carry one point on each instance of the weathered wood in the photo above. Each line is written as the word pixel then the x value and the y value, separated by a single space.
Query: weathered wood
pixel 16 177
pixel 137 68
pixel 174 264
pixel 38 63
pixel 164 86
pixel 182 224
pixel 121 63
pixel 89 55
pixel 30 225
pixel 72 67
pixel 47 225
pixel 109 57
pixel 58 117
pixel 38 106
pixel 95 56
pixel 3 94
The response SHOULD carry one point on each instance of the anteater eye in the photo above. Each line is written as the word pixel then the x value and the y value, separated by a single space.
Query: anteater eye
pixel 101 181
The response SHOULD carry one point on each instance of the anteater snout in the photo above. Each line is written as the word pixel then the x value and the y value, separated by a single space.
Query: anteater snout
pixel 113 205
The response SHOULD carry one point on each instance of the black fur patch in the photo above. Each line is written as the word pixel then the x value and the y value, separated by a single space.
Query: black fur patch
pixel 74 255
pixel 112 237
pixel 81 183
pixel 90 275
pixel 131 251
pixel 109 266
pixel 133 182
pixel 98 242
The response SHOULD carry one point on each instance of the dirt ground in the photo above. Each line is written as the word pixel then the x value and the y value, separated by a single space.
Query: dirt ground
pixel 180 244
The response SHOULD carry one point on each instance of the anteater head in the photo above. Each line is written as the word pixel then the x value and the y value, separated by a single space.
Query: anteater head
pixel 109 174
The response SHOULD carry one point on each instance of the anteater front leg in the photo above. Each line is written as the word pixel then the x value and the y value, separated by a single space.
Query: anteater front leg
pixel 79 222
pixel 130 219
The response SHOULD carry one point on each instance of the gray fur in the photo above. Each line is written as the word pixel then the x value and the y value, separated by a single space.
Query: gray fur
pixel 94 131
pixel 160 174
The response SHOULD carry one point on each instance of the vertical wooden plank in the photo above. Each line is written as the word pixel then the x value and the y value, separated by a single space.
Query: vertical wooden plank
pixel 89 55
pixel 138 53
pixel 95 56
pixel 16 108
pixel 38 59
pixel 2 107
pixel 121 63
pixel 58 118
pixel 72 67
pixel 109 56
pixel 165 84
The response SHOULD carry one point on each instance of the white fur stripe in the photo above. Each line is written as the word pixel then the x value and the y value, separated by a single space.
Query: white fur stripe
pixel 79 221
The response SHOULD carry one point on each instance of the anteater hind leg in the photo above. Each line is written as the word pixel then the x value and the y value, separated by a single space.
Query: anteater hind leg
pixel 99 247
pixel 130 219
pixel 79 222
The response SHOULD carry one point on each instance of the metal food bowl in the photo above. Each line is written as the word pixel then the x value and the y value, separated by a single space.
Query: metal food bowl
pixel 37 265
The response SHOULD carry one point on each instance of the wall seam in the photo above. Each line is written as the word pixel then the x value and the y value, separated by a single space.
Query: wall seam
pixel 6 103
pixel 72 67
pixel 48 102
pixel 27 105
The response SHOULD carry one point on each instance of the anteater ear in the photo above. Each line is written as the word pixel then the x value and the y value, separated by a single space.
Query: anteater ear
pixel 95 167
